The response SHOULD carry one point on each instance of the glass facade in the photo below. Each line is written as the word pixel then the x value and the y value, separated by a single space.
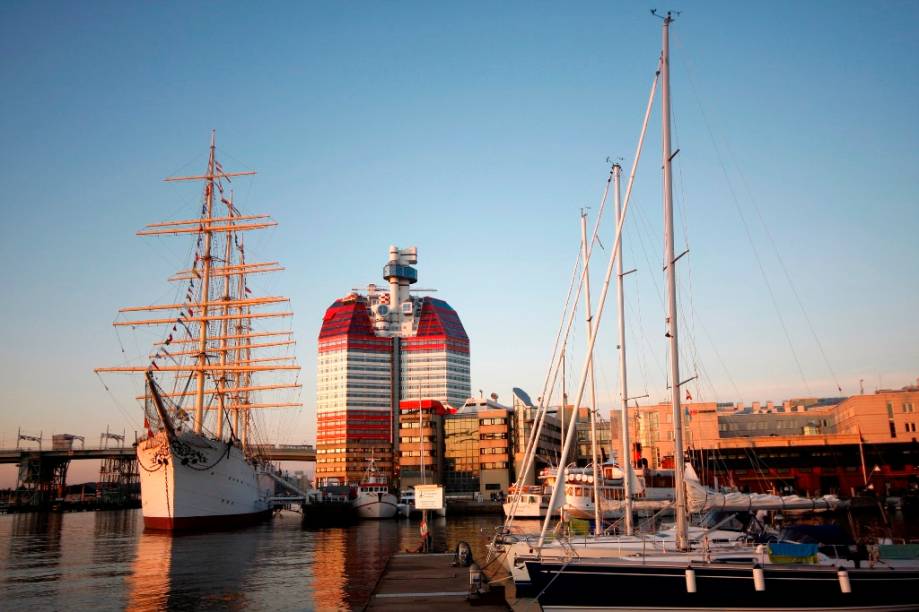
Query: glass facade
pixel 461 454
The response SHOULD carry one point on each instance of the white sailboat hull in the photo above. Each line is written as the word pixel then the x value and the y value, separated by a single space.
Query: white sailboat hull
pixel 197 483
pixel 660 546
pixel 376 505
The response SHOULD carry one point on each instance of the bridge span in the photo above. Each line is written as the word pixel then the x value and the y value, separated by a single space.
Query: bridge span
pixel 270 452
pixel 42 473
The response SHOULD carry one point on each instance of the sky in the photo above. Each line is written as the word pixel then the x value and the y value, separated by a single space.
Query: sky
pixel 475 131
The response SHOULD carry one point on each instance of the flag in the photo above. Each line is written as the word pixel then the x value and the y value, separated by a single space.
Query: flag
pixel 169 338
pixel 688 396
pixel 248 290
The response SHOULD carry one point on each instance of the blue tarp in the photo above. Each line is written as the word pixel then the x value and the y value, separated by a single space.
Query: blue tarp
pixel 789 549
pixel 899 551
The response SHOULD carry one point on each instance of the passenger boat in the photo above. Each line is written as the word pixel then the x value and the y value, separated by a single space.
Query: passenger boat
pixel 373 498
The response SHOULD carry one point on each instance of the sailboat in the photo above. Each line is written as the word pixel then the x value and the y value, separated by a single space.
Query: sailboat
pixel 684 571
pixel 201 467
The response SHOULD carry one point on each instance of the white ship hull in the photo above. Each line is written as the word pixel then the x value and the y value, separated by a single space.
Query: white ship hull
pixel 376 505
pixel 529 506
pixel 197 483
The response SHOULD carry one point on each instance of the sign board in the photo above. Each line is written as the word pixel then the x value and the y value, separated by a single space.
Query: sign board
pixel 429 497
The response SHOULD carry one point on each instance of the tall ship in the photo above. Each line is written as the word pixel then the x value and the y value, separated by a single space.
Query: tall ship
pixel 222 355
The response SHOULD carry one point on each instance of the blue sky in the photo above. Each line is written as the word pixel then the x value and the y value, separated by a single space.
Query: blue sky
pixel 475 131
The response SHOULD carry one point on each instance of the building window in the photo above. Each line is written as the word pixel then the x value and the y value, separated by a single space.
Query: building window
pixel 889 410
pixel 893 429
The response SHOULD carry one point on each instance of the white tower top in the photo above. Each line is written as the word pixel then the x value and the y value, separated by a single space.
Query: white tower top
pixel 394 314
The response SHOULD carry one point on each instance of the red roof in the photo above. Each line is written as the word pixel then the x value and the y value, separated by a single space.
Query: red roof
pixel 348 320
pixel 439 328
pixel 426 404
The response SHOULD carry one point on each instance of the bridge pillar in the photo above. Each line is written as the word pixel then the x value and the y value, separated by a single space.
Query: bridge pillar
pixel 119 480
pixel 41 481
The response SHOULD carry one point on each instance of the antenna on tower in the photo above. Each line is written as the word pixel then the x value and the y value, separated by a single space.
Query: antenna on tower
pixel 669 14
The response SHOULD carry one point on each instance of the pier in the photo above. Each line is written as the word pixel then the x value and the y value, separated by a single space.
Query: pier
pixel 429 581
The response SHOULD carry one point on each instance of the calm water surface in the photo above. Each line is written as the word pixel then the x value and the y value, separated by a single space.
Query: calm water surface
pixel 106 561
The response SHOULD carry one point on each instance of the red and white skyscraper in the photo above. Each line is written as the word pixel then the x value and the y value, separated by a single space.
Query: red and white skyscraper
pixel 376 349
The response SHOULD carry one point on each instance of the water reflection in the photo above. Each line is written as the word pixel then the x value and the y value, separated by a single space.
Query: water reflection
pixel 328 570
pixel 32 561
pixel 113 543
pixel 148 582
pixel 195 571
pixel 106 561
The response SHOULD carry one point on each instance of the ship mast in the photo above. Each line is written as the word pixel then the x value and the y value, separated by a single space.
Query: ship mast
pixel 225 324
pixel 244 352
pixel 224 354
pixel 669 258
pixel 205 258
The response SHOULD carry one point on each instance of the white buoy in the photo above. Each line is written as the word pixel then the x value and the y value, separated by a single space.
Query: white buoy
pixel 844 585
pixel 690 580
pixel 759 578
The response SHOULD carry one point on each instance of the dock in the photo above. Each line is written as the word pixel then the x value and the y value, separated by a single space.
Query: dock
pixel 429 581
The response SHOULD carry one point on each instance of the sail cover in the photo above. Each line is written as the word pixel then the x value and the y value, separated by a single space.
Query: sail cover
pixel 700 498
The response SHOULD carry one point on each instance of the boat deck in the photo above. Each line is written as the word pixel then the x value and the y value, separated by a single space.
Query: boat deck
pixel 417 581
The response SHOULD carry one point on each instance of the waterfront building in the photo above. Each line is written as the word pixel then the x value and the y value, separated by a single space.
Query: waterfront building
pixel 605 449
pixel 375 349
pixel 479 440
pixel 421 442
pixel 354 389
pixel 548 449
pixel 840 446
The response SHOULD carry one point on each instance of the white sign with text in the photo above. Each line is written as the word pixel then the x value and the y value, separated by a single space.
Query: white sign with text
pixel 429 497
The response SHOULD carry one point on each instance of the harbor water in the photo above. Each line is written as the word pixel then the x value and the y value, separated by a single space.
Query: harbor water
pixel 106 561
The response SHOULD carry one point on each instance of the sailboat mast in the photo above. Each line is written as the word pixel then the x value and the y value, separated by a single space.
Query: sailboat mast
pixel 598 524
pixel 669 258
pixel 623 380
pixel 561 414
pixel 205 285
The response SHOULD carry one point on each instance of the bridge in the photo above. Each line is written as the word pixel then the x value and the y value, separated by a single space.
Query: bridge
pixel 42 474
pixel 18 455
pixel 270 452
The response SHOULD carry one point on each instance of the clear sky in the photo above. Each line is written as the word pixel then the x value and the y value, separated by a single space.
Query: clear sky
pixel 476 131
